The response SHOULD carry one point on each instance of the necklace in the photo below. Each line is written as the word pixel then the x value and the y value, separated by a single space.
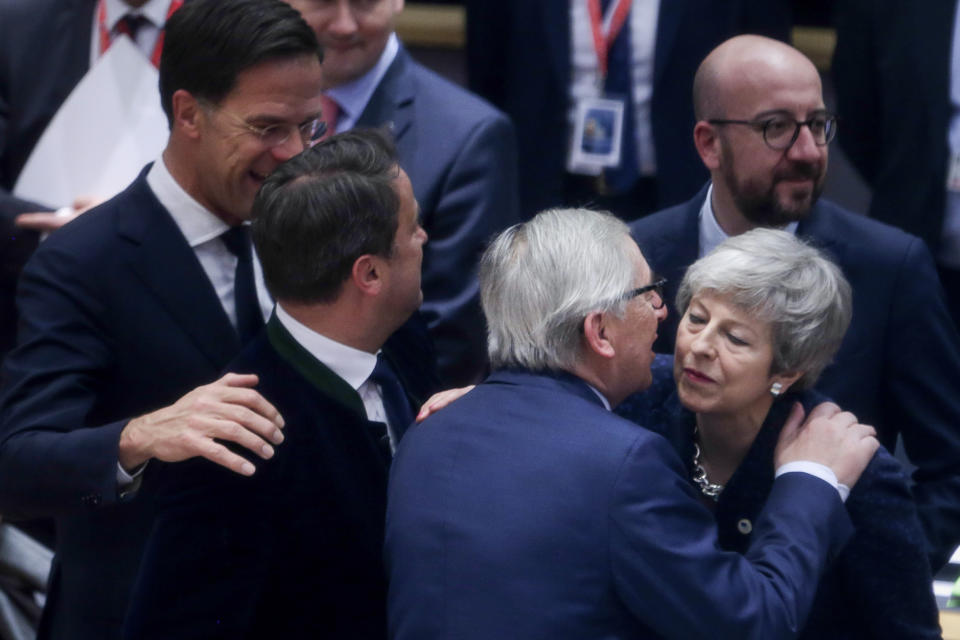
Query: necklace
pixel 707 488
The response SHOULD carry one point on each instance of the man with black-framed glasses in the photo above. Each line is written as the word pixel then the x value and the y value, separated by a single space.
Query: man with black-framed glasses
pixel 763 132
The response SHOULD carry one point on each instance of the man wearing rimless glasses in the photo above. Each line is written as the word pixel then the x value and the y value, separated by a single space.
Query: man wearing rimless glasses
pixel 763 132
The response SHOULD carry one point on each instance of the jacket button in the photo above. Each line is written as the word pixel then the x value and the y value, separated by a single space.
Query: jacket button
pixel 744 526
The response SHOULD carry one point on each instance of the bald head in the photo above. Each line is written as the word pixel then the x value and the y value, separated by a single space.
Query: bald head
pixel 751 64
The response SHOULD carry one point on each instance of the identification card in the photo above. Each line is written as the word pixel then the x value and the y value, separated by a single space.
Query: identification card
pixel 596 135
pixel 953 173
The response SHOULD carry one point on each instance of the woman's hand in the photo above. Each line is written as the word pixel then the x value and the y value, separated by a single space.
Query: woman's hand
pixel 439 400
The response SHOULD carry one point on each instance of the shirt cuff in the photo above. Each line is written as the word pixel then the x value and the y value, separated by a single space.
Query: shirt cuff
pixel 129 483
pixel 818 470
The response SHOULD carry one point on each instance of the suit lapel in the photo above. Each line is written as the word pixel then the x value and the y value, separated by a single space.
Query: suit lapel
pixel 319 375
pixel 169 269
pixel 392 103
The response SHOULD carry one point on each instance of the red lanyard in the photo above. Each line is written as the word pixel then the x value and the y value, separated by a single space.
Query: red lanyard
pixel 603 39
pixel 106 40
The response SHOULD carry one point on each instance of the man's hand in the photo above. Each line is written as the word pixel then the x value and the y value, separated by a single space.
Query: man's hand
pixel 439 400
pixel 228 409
pixel 47 221
pixel 830 437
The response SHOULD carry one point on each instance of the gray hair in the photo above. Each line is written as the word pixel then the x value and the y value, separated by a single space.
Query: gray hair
pixel 540 279
pixel 782 280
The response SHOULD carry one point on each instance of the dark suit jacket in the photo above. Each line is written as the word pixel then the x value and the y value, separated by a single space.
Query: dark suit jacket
pixel 898 366
pixel 44 52
pixel 461 158
pixel 879 586
pixel 295 551
pixel 118 319
pixel 526 510
pixel 519 59
pixel 891 73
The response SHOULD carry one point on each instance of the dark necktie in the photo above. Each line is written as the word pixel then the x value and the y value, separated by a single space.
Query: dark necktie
pixel 130 24
pixel 619 83
pixel 249 316
pixel 395 403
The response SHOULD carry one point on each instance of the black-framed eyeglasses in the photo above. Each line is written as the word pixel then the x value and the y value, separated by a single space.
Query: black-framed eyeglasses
pixel 275 135
pixel 657 301
pixel 781 131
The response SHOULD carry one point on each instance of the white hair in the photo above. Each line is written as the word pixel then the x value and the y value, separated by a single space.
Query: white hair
pixel 540 279
pixel 791 285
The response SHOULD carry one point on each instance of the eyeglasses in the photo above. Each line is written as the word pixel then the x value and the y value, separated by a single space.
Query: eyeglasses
pixel 781 131
pixel 274 135
pixel 657 288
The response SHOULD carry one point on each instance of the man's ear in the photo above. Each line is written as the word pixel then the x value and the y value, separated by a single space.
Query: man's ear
pixel 707 141
pixel 187 113
pixel 367 274
pixel 595 335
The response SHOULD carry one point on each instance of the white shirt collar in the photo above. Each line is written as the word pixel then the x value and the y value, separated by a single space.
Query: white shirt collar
pixel 603 398
pixel 354 96
pixel 353 365
pixel 711 233
pixel 197 223
pixel 153 10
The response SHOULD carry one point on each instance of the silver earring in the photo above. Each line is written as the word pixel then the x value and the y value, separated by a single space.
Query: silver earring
pixel 776 389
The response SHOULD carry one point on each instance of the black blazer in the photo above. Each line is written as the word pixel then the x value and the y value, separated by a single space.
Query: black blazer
pixel 293 551
pixel 518 57
pixel 118 318
pixel 899 364
pixel 879 585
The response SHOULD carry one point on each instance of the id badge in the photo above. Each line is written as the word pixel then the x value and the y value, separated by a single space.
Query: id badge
pixel 598 129
pixel 953 173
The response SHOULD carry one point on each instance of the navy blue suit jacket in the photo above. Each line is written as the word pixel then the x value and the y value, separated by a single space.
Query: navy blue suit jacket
pixel 879 585
pixel 118 318
pixel 519 59
pixel 460 154
pixel 294 551
pixel 527 510
pixel 899 364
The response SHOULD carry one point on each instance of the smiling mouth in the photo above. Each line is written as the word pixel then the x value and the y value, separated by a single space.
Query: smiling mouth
pixel 695 376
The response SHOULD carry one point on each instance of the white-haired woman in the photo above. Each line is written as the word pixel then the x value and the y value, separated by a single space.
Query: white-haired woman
pixel 762 315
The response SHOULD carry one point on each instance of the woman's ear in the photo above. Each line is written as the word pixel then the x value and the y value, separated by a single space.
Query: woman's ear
pixel 785 381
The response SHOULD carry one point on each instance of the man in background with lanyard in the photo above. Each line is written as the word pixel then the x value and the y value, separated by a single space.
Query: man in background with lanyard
pixel 551 65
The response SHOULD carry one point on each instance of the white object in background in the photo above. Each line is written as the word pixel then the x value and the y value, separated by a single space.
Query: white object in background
pixel 110 125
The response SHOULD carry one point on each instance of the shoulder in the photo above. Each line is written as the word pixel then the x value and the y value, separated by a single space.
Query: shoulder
pixel 672 221
pixel 857 233
pixel 96 234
